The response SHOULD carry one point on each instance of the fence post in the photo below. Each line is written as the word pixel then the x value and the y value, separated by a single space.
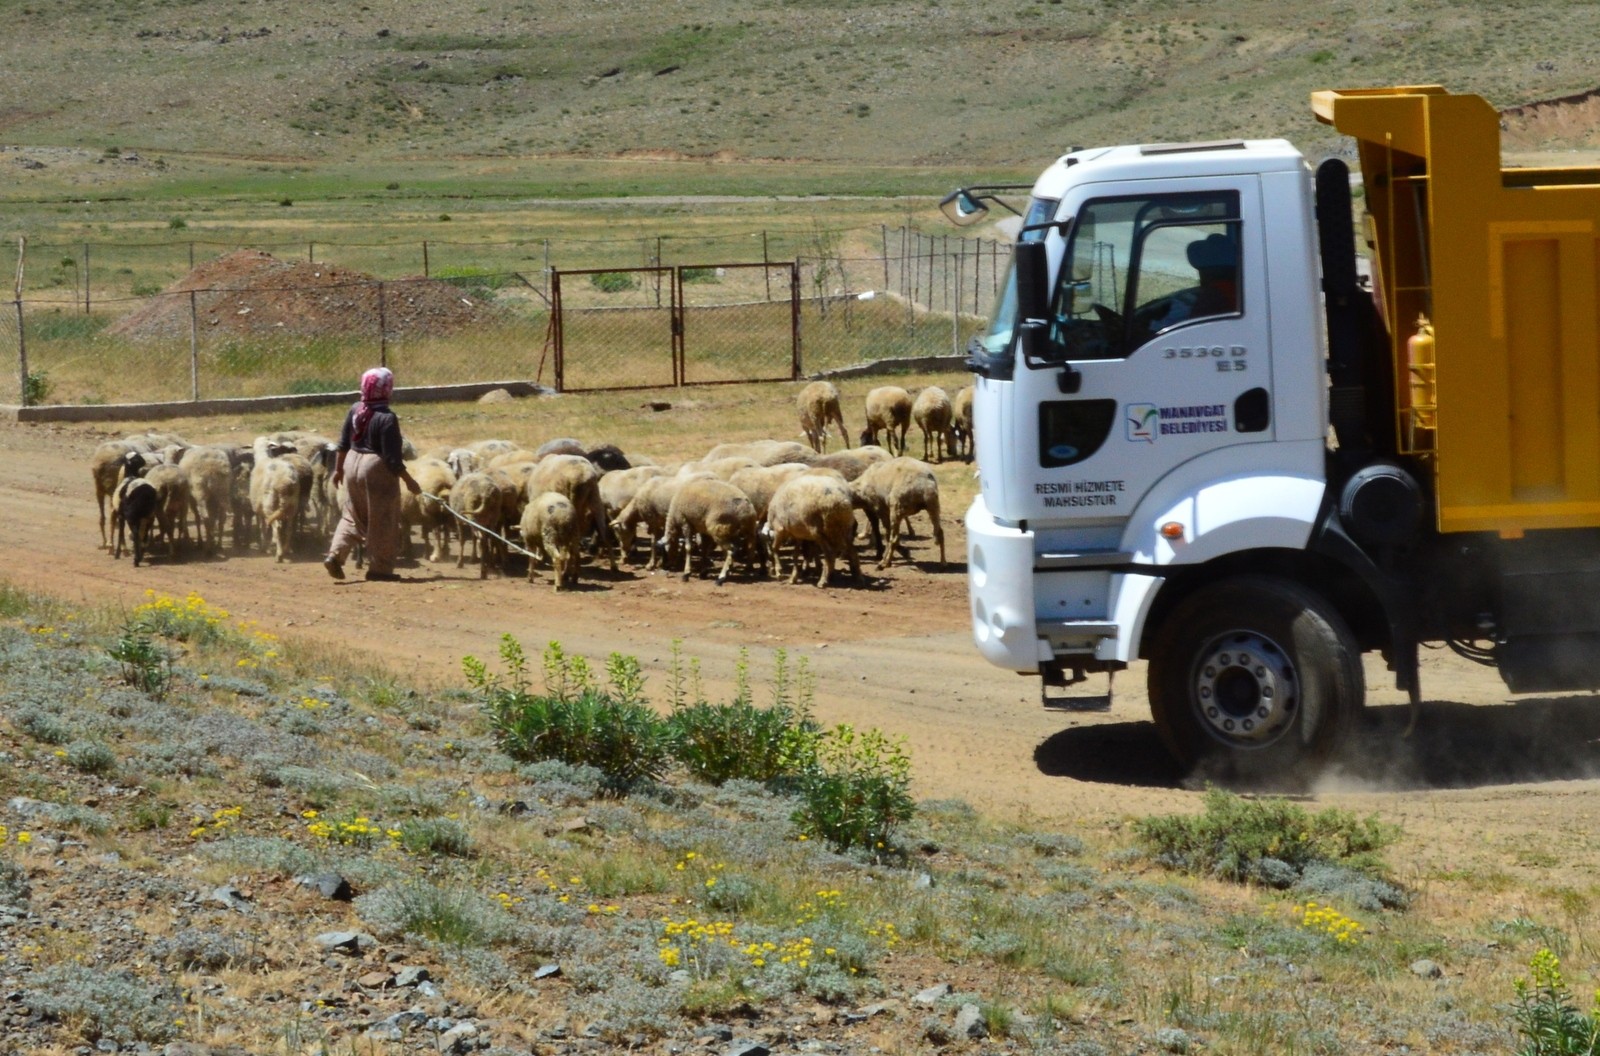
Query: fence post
pixel 194 348
pixel 86 278
pixel 766 264
pixel 311 252
pixel 883 240
pixel 383 329
pixel 546 276
pixel 191 254
pixel 425 273
pixel 22 340
pixel 955 313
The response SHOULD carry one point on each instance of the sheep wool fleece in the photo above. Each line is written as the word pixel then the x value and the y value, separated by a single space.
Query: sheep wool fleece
pixel 371 512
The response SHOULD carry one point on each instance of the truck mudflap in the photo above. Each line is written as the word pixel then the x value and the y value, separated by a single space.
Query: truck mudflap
pixel 1000 588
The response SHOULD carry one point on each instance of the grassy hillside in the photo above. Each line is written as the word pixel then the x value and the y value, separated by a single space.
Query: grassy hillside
pixel 366 88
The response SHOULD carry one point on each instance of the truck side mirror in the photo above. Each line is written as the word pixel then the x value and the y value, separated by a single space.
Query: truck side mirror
pixel 1032 270
pixel 962 208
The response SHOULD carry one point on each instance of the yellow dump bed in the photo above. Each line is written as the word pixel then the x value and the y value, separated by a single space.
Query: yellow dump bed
pixel 1506 264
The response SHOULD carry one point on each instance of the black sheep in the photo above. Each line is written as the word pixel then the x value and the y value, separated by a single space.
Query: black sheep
pixel 134 509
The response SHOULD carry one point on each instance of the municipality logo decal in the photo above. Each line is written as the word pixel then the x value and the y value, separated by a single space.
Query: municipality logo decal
pixel 1142 419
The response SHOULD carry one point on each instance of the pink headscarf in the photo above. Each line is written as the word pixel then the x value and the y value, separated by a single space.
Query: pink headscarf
pixel 376 385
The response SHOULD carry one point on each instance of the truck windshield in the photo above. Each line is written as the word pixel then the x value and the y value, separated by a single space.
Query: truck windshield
pixel 996 340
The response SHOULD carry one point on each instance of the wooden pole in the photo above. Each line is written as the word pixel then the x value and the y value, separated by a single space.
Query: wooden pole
pixel 86 278
pixel 766 264
pixel 425 272
pixel 955 314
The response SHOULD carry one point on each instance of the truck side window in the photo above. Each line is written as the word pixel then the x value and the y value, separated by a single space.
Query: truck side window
pixel 1138 266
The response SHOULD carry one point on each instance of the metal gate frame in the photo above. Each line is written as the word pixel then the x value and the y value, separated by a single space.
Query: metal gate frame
pixel 677 311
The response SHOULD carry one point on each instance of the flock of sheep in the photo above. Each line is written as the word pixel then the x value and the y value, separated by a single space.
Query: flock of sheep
pixel 747 500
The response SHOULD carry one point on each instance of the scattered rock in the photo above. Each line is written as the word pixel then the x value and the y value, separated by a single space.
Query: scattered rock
pixel 1171 1039
pixel 497 396
pixel 406 978
pixel 352 943
pixel 747 1048
pixel 931 995
pixel 458 1038
pixel 547 971
pixel 376 981
pixel 575 825
pixel 230 897
pixel 969 1023
pixel 715 1032
pixel 1426 969
pixel 331 886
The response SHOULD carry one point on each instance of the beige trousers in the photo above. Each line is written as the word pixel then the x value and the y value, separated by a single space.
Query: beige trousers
pixel 371 512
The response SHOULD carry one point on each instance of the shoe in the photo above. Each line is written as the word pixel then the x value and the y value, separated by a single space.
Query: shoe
pixel 382 577
pixel 334 566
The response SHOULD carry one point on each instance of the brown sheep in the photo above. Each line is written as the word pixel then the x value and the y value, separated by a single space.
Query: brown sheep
pixel 715 510
pixel 552 524
pixel 760 483
pixel 888 412
pixel 961 422
pixel 818 404
pixel 891 492
pixel 932 413
pixel 814 507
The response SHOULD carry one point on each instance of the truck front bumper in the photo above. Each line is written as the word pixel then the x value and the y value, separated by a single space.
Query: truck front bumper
pixel 1000 587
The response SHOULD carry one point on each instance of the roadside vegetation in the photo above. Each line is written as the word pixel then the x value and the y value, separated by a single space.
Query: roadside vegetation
pixel 569 850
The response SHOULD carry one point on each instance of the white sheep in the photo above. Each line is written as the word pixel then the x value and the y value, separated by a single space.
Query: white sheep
pixel 433 476
pixel 275 491
pixel 760 483
pixel 763 452
pixel 818 404
pixel 888 412
pixel 961 421
pixel 890 492
pixel 852 462
pixel 579 480
pixel 478 497
pixel 651 505
pixel 814 507
pixel 172 508
pixel 617 489
pixel 210 474
pixel 107 466
pixel 932 413
pixel 705 507
pixel 553 525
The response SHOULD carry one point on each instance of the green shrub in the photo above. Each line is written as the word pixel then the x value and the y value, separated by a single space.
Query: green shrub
pixel 738 740
pixel 1545 1017
pixel 455 915
pixel 35 388
pixel 858 792
pixel 1243 839
pixel 145 665
pixel 96 1003
pixel 435 836
pixel 91 757
pixel 574 720
pixel 613 281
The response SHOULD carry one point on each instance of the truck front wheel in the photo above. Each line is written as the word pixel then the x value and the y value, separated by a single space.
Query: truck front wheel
pixel 1252 677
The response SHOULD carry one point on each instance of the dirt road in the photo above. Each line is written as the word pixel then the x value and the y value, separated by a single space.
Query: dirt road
pixel 1482 776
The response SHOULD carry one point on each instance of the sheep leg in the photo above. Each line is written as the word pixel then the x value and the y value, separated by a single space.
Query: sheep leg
pixel 727 563
pixel 938 533
pixel 827 562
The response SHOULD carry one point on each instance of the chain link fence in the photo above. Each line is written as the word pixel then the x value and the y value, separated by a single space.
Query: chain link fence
pixel 112 323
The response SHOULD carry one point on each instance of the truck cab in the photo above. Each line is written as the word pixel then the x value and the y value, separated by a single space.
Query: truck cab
pixel 1206 441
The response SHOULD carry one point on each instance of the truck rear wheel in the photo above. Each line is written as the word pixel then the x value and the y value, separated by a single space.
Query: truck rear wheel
pixel 1252 677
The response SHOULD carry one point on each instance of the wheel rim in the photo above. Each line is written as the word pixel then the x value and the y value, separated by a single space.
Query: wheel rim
pixel 1245 690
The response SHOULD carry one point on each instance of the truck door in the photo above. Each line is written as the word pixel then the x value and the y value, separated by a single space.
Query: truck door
pixel 1156 350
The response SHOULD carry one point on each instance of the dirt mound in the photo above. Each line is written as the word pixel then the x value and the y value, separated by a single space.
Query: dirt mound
pixel 252 293
pixel 1570 120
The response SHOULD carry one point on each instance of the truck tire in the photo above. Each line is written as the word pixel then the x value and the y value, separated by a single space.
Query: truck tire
pixel 1253 678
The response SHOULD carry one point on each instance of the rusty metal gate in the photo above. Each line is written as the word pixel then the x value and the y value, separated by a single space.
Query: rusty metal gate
pixel 703 324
